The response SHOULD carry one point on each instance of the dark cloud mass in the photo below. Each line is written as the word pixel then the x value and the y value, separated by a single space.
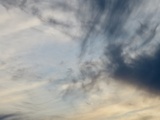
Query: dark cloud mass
pixel 142 70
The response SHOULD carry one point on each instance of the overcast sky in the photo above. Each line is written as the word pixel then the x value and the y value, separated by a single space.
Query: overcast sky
pixel 79 60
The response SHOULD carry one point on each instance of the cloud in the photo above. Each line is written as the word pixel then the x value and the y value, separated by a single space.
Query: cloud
pixel 12 99
pixel 21 88
pixel 110 16
pixel 119 103
pixel 50 13
pixel 132 52
pixel 29 65
pixel 119 44
pixel 144 70
pixel 7 117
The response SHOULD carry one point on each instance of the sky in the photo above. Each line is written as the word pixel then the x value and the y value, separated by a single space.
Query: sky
pixel 79 60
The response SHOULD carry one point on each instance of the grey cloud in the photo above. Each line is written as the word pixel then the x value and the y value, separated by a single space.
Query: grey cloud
pixel 34 7
pixel 107 17
pixel 147 32
pixel 110 16
pixel 143 69
pixel 8 117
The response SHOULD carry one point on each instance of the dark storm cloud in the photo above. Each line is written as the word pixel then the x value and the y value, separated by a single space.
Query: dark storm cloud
pixel 144 70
